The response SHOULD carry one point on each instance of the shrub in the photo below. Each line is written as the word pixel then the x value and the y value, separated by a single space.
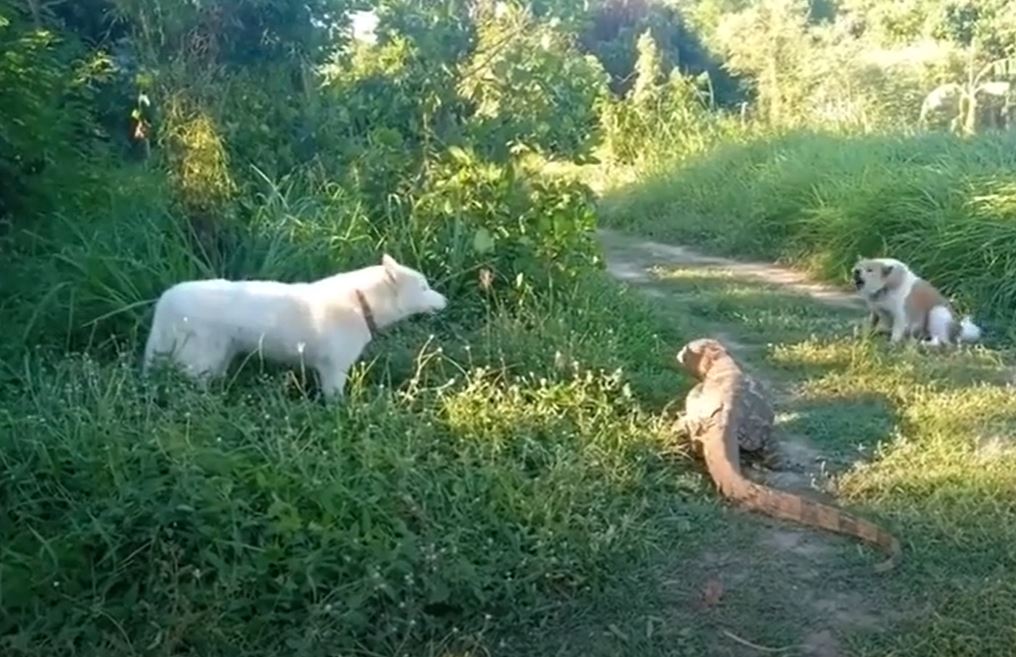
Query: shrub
pixel 479 215
pixel 530 87
pixel 93 275
pixel 661 120
pixel 47 123
pixel 198 163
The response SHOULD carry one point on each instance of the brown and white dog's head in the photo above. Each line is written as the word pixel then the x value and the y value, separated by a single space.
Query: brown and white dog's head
pixel 874 276
pixel 698 356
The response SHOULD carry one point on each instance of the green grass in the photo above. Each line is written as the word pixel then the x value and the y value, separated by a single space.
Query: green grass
pixel 922 442
pixel 942 204
pixel 931 432
pixel 485 471
pixel 501 479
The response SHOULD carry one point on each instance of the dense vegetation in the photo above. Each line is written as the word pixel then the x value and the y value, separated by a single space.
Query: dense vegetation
pixel 510 453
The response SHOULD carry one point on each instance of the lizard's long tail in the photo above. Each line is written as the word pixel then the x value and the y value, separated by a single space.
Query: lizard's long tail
pixel 788 506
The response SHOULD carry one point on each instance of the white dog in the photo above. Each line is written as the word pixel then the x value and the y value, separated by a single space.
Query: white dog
pixel 203 325
pixel 910 305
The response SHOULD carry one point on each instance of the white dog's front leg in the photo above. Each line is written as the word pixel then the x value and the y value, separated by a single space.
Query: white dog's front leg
pixel 333 383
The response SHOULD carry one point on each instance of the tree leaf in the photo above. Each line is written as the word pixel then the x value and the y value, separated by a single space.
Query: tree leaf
pixel 483 241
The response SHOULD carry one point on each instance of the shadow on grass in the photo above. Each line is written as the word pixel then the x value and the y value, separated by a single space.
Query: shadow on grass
pixel 844 427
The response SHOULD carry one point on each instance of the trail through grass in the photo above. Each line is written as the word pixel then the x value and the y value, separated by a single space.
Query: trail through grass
pixel 920 441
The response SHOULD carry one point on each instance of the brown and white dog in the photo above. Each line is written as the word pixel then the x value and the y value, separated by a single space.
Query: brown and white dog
pixel 909 305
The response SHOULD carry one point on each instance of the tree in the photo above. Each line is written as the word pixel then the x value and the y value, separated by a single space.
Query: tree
pixel 770 43
pixel 614 26
pixel 529 84
pixel 965 101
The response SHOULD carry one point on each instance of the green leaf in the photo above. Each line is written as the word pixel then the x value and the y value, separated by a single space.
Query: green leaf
pixel 458 154
pixel 483 241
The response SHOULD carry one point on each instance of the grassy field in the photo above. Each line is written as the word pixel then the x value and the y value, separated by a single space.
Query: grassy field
pixel 922 439
pixel 476 470
pixel 942 204
pixel 503 478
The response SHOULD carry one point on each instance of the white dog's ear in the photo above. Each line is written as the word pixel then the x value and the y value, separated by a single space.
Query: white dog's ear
pixel 391 267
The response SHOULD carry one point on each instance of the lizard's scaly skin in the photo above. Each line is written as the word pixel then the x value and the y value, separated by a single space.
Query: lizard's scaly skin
pixel 719 412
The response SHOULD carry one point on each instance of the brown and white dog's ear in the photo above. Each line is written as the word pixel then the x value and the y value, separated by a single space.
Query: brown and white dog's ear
pixel 688 358
pixel 892 275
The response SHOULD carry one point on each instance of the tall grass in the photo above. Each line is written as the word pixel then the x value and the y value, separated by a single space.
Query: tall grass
pixel 485 462
pixel 942 204
pixel 467 475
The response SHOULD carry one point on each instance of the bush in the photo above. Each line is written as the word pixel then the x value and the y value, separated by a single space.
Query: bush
pixel 47 124
pixel 530 87
pixel 487 476
pixel 480 215
pixel 93 275
pixel 661 120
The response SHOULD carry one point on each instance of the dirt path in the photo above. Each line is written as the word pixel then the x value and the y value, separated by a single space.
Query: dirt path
pixel 798 591
pixel 632 261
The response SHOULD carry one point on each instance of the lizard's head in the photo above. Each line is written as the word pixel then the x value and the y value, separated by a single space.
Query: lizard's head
pixel 698 356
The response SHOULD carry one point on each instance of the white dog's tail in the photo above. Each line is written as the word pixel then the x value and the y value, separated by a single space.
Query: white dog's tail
pixel 969 332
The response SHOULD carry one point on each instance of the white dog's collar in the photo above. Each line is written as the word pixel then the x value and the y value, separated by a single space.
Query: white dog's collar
pixel 368 314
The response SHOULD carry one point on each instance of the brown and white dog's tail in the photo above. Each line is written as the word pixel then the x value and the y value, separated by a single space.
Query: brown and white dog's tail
pixel 943 327
pixel 968 331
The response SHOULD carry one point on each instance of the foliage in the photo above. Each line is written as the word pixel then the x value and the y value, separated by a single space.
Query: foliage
pixel 510 488
pixel 614 28
pixel 522 229
pixel 989 23
pixel 198 162
pixel 47 126
pixel 214 32
pixel 661 119
pixel 770 44
pixel 530 87
pixel 966 102
pixel 381 144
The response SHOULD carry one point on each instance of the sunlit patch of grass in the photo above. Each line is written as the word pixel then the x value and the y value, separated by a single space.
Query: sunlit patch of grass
pixel 925 438
pixel 450 487
pixel 944 470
